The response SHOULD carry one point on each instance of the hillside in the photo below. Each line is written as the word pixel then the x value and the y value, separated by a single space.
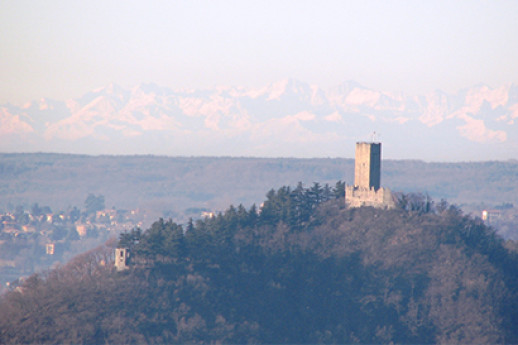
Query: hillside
pixel 301 269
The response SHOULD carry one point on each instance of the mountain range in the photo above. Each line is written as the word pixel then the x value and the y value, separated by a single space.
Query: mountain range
pixel 288 118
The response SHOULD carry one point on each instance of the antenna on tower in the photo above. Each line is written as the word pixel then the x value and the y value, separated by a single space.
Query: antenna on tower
pixel 375 137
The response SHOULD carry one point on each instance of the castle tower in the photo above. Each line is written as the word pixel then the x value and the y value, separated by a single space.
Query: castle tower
pixel 367 166
pixel 367 190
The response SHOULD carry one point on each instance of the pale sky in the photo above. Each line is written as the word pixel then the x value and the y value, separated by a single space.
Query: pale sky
pixel 62 49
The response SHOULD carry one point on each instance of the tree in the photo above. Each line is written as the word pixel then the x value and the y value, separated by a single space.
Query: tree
pixel 36 210
pixel 94 203
pixel 339 190
pixel 20 215
pixel 74 214
pixel 129 239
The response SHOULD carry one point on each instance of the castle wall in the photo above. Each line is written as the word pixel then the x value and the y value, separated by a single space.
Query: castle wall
pixel 358 197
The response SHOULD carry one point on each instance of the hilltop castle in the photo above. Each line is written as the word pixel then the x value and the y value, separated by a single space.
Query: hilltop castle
pixel 366 190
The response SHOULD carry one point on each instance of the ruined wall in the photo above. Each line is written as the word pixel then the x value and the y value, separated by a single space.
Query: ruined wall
pixel 358 197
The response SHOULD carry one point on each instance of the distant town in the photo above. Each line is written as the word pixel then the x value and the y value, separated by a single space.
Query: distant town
pixel 36 238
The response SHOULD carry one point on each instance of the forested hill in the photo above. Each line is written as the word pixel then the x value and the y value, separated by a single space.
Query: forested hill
pixel 301 269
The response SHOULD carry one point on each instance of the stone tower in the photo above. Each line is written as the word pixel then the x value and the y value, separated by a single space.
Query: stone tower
pixel 121 259
pixel 367 190
pixel 367 165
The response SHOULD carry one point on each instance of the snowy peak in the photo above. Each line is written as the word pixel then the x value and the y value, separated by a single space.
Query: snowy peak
pixel 287 113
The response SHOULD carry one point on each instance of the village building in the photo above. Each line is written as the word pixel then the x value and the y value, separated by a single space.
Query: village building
pixel 122 256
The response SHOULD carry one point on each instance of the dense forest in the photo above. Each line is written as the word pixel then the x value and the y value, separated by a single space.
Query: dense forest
pixel 301 268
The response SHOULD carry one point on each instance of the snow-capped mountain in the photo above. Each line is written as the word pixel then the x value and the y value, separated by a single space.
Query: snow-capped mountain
pixel 285 118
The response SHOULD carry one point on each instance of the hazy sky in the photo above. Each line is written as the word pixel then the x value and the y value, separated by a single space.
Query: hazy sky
pixel 62 49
